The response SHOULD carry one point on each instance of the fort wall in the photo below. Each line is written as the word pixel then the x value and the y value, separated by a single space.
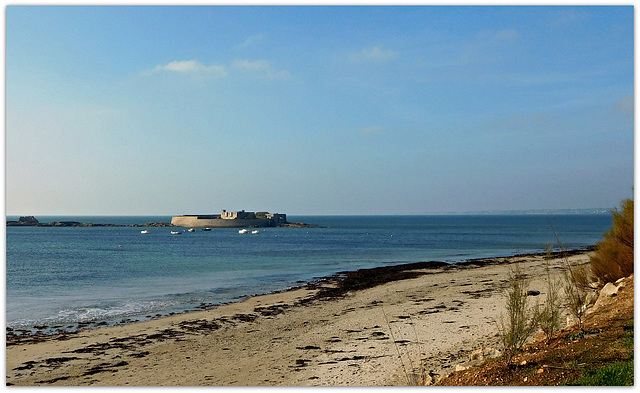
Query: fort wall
pixel 216 221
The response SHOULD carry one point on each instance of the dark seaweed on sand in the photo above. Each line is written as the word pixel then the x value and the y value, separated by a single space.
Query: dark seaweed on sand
pixel 344 282
pixel 368 278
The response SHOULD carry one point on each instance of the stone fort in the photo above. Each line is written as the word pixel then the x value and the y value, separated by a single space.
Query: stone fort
pixel 233 219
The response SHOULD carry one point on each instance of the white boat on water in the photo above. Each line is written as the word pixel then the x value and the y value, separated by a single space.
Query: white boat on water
pixel 243 231
pixel 144 231
pixel 255 231
pixel 176 233
pixel 206 229
pixel 192 230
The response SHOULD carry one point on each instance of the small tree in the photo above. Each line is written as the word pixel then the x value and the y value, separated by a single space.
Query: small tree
pixel 575 294
pixel 520 322
pixel 548 315
pixel 576 285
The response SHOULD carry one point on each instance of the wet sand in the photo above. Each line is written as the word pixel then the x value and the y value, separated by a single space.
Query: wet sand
pixel 366 328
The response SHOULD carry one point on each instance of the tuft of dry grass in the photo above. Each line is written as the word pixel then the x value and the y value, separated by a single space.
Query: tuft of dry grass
pixel 613 256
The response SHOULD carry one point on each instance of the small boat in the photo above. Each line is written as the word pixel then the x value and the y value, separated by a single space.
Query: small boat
pixel 176 233
pixel 206 229
pixel 255 231
pixel 243 231
pixel 144 231
pixel 192 229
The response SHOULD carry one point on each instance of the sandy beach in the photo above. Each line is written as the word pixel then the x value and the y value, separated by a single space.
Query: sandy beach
pixel 426 318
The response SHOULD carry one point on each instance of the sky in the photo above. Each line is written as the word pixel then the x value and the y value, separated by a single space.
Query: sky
pixel 167 110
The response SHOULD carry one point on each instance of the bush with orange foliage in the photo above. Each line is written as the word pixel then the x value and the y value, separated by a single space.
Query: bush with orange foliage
pixel 613 257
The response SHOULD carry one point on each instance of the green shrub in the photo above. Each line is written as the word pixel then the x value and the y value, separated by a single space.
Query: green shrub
pixel 613 256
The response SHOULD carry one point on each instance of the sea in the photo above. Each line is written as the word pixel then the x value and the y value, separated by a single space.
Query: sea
pixel 64 278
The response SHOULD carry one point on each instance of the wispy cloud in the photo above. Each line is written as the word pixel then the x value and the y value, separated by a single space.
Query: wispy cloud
pixel 260 67
pixel 192 67
pixel 253 65
pixel 251 40
pixel 374 54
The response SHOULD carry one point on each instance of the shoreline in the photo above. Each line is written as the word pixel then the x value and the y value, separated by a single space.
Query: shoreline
pixel 426 314
pixel 341 282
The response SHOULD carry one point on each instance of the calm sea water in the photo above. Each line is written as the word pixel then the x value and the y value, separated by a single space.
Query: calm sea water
pixel 65 276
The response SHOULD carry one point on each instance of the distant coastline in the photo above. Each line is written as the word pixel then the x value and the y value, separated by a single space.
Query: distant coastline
pixel 597 210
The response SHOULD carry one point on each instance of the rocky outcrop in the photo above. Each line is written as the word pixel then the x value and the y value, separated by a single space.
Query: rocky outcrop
pixel 24 221
pixel 298 225
pixel 31 221
pixel 28 220
pixel 158 224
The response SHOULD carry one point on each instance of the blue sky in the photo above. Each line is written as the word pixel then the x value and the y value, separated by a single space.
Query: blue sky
pixel 317 110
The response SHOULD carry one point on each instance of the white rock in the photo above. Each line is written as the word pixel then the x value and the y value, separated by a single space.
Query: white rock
pixel 460 367
pixel 484 353
pixel 476 355
pixel 621 283
pixel 608 290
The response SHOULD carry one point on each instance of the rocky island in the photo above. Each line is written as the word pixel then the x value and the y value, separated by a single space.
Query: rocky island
pixel 237 219
pixel 224 220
